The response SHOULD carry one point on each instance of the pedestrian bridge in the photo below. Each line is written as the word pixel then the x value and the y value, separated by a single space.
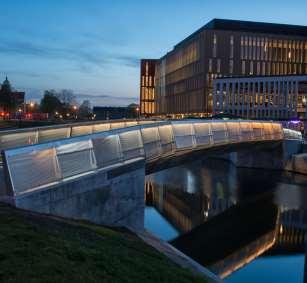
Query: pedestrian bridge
pixel 53 170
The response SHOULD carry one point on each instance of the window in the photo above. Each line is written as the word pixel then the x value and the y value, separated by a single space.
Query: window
pixel 251 68
pixel 242 48
pixel 231 46
pixel 243 67
pixel 249 48
pixel 254 48
pixel 218 65
pixel 210 66
pixel 258 68
pixel 263 68
pixel 230 66
pixel 214 45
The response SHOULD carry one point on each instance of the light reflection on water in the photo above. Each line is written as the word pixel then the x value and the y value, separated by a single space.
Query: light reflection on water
pixel 243 224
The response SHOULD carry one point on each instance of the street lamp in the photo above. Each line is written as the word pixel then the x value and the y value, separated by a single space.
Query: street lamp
pixel 137 109
pixel 75 111
pixel 31 106
pixel 19 117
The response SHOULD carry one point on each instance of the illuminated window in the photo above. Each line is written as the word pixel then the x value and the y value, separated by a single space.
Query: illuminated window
pixel 210 66
pixel 251 68
pixel 263 68
pixel 230 66
pixel 231 46
pixel 250 48
pixel 254 48
pixel 214 45
pixel 243 67
pixel 242 48
pixel 258 49
pixel 218 65
pixel 258 68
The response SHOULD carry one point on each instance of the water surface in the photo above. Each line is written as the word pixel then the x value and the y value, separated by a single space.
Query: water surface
pixel 247 225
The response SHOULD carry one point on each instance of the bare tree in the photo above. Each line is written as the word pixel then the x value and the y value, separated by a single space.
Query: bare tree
pixel 85 109
pixel 67 97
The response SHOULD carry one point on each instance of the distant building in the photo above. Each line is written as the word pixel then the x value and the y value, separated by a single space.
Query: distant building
pixel 10 100
pixel 110 113
pixel 261 97
pixel 147 87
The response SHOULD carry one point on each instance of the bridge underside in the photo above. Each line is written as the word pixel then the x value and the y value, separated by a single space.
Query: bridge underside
pixel 258 154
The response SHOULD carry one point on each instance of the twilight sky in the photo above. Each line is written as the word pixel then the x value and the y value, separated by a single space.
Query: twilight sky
pixel 93 46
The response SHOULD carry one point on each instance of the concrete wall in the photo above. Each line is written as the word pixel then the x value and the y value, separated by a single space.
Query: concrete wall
pixel 112 197
pixel 298 163
pixel 279 156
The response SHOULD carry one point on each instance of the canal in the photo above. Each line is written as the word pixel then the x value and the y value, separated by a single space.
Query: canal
pixel 247 225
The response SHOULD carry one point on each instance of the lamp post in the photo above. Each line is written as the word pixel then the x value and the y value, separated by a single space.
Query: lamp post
pixel 75 111
pixel 19 117
pixel 137 109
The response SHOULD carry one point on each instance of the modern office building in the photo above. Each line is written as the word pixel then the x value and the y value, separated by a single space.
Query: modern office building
pixel 261 97
pixel 184 76
pixel 147 87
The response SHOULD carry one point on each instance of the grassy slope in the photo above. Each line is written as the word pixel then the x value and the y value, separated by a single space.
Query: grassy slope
pixel 38 248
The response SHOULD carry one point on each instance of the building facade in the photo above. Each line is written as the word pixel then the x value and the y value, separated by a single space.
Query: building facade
pixel 184 76
pixel 261 97
pixel 147 87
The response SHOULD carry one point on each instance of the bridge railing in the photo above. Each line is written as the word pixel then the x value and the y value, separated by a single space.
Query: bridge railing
pixel 27 136
pixel 36 166
pixel 291 134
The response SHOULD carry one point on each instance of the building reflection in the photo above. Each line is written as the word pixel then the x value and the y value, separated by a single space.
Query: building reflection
pixel 207 209
pixel 233 238
pixel 188 197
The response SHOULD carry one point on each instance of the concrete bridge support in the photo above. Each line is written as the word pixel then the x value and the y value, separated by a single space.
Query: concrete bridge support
pixel 113 196
pixel 277 156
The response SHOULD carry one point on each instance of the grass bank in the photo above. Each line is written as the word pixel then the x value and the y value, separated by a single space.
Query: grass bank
pixel 39 248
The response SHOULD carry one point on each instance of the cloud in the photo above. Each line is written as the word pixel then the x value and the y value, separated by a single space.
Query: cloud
pixel 16 47
pixel 108 39
pixel 26 73
pixel 130 61
pixel 83 57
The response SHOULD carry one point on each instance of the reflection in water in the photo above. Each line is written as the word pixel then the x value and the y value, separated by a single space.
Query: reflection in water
pixel 225 217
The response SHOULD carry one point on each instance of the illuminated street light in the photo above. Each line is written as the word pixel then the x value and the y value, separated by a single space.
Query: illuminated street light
pixel 137 109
